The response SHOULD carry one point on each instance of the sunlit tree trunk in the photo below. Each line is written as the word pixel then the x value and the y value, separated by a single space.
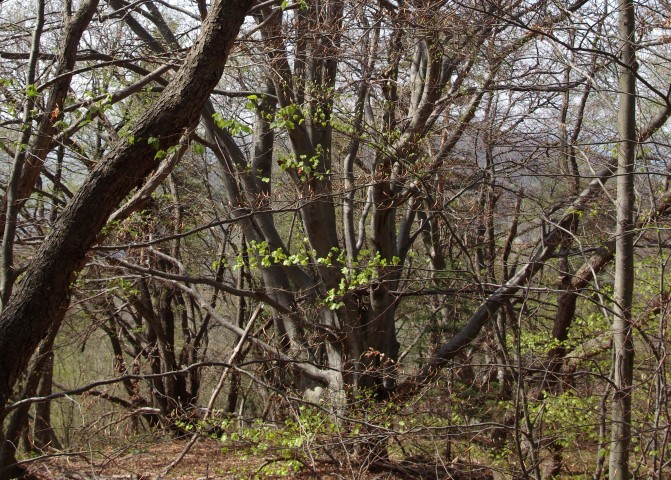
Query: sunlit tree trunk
pixel 624 257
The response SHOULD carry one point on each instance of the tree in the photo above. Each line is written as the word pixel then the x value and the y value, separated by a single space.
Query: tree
pixel 623 344
pixel 388 180
pixel 41 298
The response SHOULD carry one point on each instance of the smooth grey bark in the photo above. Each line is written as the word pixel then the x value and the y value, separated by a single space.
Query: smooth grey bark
pixel 41 298
pixel 486 310
pixel 255 194
pixel 259 228
pixel 623 347
pixel 369 50
pixel 264 142
pixel 310 141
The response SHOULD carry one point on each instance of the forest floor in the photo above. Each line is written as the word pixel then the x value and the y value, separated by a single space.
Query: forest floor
pixel 207 460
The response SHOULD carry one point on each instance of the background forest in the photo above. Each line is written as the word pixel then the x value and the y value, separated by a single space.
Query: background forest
pixel 417 239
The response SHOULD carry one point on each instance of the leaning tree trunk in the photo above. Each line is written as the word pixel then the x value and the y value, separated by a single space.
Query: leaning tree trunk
pixel 623 358
pixel 41 298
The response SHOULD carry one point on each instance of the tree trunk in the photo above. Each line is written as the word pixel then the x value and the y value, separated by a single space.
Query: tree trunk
pixel 18 422
pixel 43 140
pixel 43 434
pixel 42 296
pixel 623 355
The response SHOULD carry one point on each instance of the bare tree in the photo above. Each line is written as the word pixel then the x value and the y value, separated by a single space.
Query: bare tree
pixel 623 343
pixel 41 299
pixel 405 186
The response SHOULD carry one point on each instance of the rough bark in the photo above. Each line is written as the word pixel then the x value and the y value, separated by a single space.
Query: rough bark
pixel 42 296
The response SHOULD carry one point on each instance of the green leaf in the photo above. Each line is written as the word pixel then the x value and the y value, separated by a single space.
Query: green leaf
pixel 31 90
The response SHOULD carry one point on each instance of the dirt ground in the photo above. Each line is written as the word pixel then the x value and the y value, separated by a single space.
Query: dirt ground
pixel 208 460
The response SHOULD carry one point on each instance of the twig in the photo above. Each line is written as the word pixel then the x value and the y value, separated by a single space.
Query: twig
pixel 217 389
